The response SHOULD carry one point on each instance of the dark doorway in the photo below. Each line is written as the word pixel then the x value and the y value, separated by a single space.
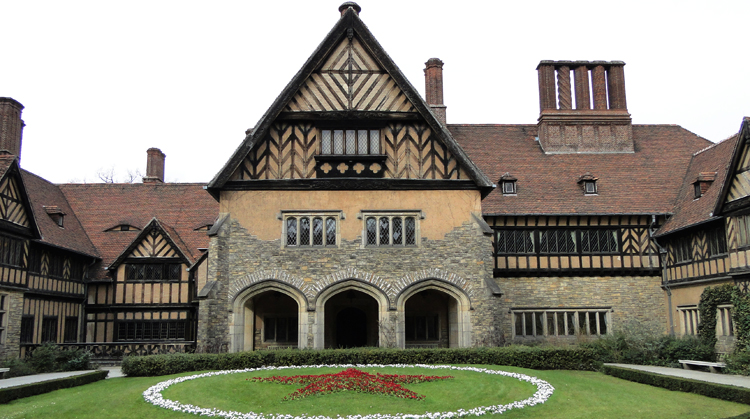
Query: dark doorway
pixel 351 328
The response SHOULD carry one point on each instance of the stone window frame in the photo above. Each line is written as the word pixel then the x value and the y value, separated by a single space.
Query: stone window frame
pixel 285 215
pixel 508 187
pixel 351 140
pixel 417 215
pixel 4 302
pixel 724 322
pixel 690 317
pixel 560 316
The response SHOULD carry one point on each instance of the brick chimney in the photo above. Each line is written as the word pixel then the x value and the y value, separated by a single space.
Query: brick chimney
pixel 11 126
pixel 154 166
pixel 597 121
pixel 433 81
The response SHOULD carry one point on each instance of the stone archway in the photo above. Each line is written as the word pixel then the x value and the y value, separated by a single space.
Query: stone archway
pixel 433 313
pixel 349 314
pixel 269 314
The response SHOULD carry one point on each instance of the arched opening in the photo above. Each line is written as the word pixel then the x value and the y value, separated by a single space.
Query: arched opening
pixel 351 320
pixel 275 319
pixel 268 315
pixel 434 314
pixel 431 320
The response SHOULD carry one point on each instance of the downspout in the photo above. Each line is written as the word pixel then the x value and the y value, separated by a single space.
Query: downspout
pixel 663 261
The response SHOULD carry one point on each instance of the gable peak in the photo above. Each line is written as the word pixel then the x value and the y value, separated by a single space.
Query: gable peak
pixel 349 5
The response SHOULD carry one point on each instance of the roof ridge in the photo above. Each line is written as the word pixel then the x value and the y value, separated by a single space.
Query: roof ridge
pixel 731 137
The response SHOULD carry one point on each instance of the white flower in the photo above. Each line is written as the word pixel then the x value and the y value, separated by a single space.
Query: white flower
pixel 544 391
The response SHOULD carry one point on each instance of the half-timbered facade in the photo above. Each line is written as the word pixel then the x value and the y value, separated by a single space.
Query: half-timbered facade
pixel 353 214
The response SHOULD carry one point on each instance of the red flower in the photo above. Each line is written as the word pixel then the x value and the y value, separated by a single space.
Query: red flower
pixel 352 380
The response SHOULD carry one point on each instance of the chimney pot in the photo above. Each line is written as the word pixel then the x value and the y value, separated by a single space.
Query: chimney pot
pixel 11 126
pixel 345 6
pixel 433 78
pixel 154 166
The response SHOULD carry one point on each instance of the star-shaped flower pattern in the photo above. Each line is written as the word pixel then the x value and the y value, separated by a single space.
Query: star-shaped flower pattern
pixel 352 379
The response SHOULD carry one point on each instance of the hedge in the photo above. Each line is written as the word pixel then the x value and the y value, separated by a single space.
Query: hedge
pixel 517 356
pixel 9 394
pixel 717 391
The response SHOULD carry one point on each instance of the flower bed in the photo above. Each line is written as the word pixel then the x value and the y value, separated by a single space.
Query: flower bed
pixel 544 391
pixel 352 380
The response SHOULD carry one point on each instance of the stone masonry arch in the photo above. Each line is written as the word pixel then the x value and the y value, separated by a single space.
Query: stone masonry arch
pixel 242 320
pixel 461 313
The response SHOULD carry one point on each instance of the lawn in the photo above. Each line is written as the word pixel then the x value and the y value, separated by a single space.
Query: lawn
pixel 577 394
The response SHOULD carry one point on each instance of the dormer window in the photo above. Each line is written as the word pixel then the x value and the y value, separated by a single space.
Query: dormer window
pixel 702 183
pixel 350 141
pixel 56 214
pixel 508 184
pixel 588 182
pixel 123 227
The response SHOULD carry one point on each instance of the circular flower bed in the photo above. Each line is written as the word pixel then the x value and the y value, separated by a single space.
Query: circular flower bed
pixel 544 391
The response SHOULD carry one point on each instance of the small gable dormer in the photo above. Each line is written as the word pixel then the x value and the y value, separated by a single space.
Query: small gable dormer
pixel 508 184
pixel 702 183
pixel 156 252
pixel 56 214
pixel 589 184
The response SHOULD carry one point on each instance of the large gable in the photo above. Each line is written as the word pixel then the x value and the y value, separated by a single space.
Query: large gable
pixel 349 92
pixel 736 192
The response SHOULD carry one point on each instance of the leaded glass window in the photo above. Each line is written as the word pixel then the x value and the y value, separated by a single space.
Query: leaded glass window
pixel 391 230
pixel 350 141
pixel 310 230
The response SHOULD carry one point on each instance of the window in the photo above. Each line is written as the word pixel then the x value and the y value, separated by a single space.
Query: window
pixel 681 249
pixel 422 328
pixel 724 323
pixel 56 265
pixel 561 322
pixel 717 243
pixel 316 230
pixel 509 187
pixel 4 301
pixel 599 241
pixel 350 141
pixel 71 329
pixel 557 241
pixel 11 251
pixel 153 271
pixel 690 316
pixel 27 329
pixel 49 329
pixel 697 192
pixel 389 229
pixel 515 241
pixel 147 330
pixel 589 187
pixel 280 329
pixel 743 230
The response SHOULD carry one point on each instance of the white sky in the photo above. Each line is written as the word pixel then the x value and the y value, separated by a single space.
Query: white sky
pixel 102 81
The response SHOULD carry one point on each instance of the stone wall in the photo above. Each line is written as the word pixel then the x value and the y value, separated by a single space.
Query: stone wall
pixel 632 298
pixel 239 260
pixel 11 347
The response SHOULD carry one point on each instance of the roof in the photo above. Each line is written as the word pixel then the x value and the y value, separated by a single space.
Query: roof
pixel 5 161
pixel 180 207
pixel 688 210
pixel 72 235
pixel 644 182
pixel 348 25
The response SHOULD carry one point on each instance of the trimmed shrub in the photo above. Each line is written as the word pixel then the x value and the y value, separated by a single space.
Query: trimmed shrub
pixel 717 391
pixel 540 358
pixel 49 358
pixel 12 393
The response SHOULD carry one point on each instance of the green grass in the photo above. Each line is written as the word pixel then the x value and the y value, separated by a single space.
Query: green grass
pixel 577 395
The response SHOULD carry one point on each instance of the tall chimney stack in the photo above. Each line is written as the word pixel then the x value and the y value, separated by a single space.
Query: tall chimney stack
pixel 11 126
pixel 154 166
pixel 597 121
pixel 433 80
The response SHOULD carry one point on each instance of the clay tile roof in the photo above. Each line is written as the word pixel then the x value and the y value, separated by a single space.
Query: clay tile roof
pixel 179 207
pixel 42 195
pixel 644 182
pixel 5 161
pixel 712 162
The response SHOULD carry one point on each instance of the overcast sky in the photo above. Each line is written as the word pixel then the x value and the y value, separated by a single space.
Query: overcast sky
pixel 102 81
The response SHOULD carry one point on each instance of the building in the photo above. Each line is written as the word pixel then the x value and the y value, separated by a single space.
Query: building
pixel 353 215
